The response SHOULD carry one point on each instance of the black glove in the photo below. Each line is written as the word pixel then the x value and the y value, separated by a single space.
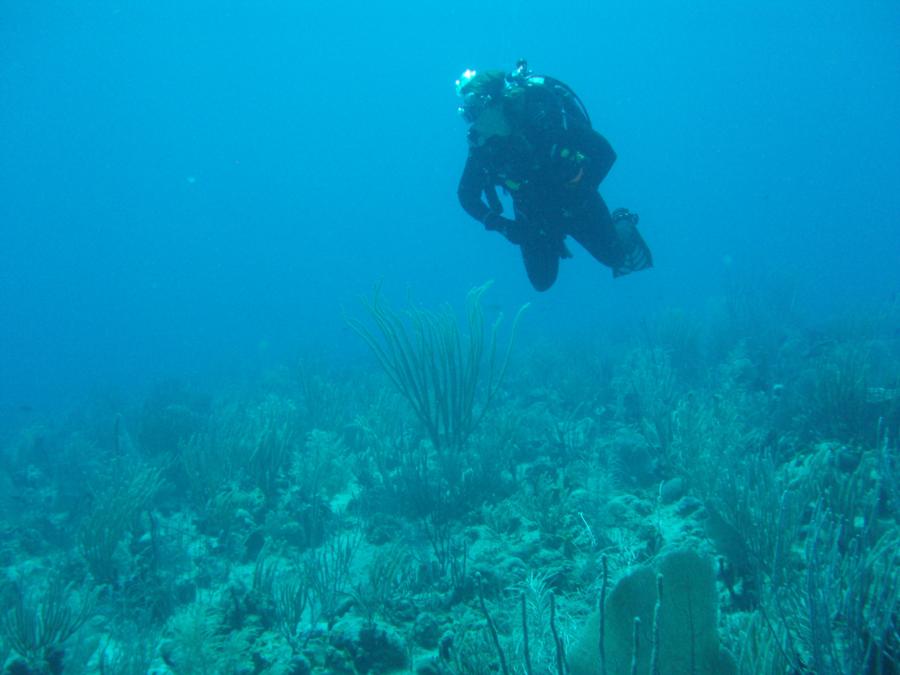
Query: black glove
pixel 494 222
pixel 513 230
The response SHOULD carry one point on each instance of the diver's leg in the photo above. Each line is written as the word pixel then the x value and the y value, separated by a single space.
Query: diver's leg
pixel 612 239
pixel 541 263
pixel 591 225
pixel 540 256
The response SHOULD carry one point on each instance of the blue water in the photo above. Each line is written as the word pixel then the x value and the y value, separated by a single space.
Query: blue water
pixel 187 187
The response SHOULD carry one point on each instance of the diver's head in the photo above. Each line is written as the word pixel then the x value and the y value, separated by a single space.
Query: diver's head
pixel 477 91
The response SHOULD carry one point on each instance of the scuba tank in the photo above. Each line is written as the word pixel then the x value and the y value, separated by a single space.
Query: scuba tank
pixel 570 104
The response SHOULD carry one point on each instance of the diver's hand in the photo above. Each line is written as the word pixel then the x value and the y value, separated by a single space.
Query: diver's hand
pixel 511 229
pixel 494 222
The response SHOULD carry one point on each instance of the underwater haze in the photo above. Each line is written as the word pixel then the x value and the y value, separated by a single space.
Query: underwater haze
pixel 273 402
pixel 193 185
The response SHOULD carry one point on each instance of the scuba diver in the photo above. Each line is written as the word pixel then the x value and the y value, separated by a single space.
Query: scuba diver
pixel 531 136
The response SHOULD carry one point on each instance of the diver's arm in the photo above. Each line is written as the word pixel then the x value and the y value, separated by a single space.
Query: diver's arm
pixel 600 155
pixel 473 183
pixel 565 150
pixel 471 186
pixel 573 157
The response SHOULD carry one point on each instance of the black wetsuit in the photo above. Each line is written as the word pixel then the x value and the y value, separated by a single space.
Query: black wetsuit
pixel 551 164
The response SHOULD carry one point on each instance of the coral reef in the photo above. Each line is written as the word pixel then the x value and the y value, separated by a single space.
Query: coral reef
pixel 725 490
